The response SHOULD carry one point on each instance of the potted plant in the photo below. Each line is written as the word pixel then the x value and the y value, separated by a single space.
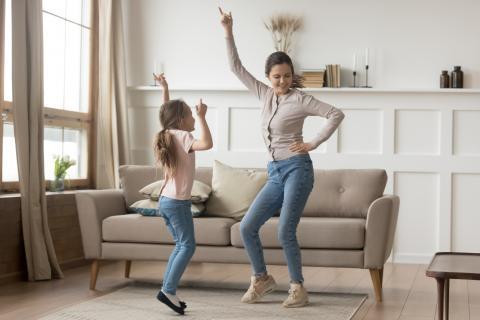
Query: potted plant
pixel 62 164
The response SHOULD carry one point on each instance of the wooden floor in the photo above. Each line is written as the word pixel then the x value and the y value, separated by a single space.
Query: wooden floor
pixel 408 293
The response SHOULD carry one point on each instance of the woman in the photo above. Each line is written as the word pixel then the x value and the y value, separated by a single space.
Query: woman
pixel 290 171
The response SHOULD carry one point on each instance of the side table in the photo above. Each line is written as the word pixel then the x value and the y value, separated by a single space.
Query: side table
pixel 451 265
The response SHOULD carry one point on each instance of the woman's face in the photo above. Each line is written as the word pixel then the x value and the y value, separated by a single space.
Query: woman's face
pixel 281 78
pixel 188 122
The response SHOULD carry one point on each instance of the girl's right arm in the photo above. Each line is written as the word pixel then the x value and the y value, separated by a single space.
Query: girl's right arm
pixel 252 84
pixel 205 142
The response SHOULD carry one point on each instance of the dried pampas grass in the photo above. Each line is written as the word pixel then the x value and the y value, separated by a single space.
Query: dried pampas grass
pixel 282 27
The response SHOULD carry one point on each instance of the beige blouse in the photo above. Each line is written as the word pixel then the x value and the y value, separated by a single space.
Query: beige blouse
pixel 283 116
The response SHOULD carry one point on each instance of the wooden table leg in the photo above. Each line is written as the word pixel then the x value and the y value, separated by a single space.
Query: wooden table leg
pixel 447 289
pixel 440 297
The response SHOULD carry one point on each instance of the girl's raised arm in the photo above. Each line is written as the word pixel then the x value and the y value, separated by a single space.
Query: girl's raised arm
pixel 163 82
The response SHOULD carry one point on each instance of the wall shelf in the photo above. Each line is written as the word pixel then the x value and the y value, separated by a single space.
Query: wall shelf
pixel 347 90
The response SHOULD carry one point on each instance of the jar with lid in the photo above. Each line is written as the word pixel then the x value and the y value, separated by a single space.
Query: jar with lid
pixel 444 79
pixel 457 77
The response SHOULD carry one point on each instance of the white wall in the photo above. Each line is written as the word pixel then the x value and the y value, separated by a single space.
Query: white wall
pixel 410 41
pixel 427 140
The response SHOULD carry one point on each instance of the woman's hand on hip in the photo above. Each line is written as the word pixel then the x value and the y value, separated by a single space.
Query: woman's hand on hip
pixel 301 147
pixel 226 21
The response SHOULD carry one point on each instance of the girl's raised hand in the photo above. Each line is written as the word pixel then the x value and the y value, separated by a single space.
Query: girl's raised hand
pixel 226 19
pixel 201 109
pixel 161 79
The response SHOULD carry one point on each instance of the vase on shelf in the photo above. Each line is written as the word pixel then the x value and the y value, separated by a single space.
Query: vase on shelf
pixel 57 184
pixel 444 79
pixel 457 77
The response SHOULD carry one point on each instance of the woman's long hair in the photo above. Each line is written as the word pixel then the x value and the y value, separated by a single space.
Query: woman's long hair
pixel 171 114
pixel 281 57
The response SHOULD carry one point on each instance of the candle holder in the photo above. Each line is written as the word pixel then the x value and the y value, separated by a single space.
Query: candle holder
pixel 154 81
pixel 366 77
pixel 354 79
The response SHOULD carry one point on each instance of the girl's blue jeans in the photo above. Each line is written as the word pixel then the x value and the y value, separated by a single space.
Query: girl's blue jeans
pixel 289 184
pixel 178 217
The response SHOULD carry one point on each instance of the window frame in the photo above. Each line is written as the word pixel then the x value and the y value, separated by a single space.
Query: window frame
pixel 55 117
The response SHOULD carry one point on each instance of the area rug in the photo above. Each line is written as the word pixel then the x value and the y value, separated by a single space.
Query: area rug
pixel 139 302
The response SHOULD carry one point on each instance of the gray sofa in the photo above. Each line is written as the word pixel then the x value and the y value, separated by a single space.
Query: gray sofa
pixel 347 222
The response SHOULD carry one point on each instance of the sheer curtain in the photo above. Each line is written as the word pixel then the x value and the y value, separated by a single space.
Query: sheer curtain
pixel 27 78
pixel 112 148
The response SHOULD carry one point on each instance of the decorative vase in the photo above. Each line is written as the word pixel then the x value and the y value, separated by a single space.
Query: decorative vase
pixel 58 184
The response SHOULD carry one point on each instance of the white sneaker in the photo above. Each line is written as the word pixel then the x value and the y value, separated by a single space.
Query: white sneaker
pixel 297 296
pixel 259 288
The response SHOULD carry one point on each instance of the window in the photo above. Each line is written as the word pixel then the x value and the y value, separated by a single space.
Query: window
pixel 67 122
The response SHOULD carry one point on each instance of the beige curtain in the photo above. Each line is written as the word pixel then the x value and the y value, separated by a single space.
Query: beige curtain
pixel 111 112
pixel 27 55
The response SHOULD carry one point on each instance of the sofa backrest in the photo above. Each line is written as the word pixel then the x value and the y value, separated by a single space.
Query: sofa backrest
pixel 344 192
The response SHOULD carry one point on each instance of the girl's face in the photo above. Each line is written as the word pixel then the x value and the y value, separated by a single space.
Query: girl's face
pixel 281 78
pixel 188 122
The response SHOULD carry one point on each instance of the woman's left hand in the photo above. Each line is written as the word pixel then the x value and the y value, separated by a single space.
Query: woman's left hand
pixel 301 147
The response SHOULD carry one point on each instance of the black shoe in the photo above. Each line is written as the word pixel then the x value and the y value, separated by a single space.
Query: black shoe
pixel 163 298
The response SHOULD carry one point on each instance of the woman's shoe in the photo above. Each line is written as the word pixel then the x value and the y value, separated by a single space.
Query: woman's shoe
pixel 259 287
pixel 297 296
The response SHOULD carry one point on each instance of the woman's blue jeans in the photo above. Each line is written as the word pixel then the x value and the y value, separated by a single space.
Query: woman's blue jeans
pixel 289 184
pixel 178 217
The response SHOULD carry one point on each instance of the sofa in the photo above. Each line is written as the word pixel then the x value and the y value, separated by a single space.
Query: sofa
pixel 348 222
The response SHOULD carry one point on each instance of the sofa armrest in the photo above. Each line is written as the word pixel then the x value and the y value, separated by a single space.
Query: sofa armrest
pixel 380 230
pixel 93 207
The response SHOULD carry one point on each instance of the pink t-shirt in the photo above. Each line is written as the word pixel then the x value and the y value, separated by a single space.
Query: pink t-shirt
pixel 180 186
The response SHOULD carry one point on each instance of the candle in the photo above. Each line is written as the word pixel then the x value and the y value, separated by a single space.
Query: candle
pixel 155 69
pixel 354 62
pixel 366 56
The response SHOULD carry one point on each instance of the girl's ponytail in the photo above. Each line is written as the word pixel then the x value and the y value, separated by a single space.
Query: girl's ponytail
pixel 165 152
pixel 171 114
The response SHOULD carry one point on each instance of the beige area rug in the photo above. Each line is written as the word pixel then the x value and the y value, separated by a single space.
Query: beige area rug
pixel 139 302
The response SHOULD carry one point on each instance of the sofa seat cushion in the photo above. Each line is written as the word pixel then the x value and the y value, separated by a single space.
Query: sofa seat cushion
pixel 313 233
pixel 211 231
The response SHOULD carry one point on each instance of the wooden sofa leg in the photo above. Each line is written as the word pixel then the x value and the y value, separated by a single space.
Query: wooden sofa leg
pixel 94 273
pixel 128 265
pixel 377 278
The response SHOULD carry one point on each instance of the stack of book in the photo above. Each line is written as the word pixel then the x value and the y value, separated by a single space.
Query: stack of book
pixel 313 78
pixel 333 75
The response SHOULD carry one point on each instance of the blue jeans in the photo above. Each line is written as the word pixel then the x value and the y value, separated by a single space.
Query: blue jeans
pixel 289 184
pixel 178 218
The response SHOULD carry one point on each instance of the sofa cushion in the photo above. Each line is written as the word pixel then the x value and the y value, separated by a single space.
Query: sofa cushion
pixel 200 191
pixel 137 228
pixel 345 193
pixel 233 190
pixel 134 177
pixel 147 207
pixel 313 233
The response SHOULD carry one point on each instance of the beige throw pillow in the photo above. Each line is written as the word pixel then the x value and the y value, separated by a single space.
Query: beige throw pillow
pixel 233 190
pixel 200 191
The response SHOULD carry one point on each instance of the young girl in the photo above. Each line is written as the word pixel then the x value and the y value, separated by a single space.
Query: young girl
pixel 175 150
pixel 290 169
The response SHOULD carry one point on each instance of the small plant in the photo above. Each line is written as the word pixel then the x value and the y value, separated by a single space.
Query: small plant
pixel 62 164
pixel 282 28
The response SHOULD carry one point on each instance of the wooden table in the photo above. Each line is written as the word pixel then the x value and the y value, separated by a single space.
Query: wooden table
pixel 452 265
